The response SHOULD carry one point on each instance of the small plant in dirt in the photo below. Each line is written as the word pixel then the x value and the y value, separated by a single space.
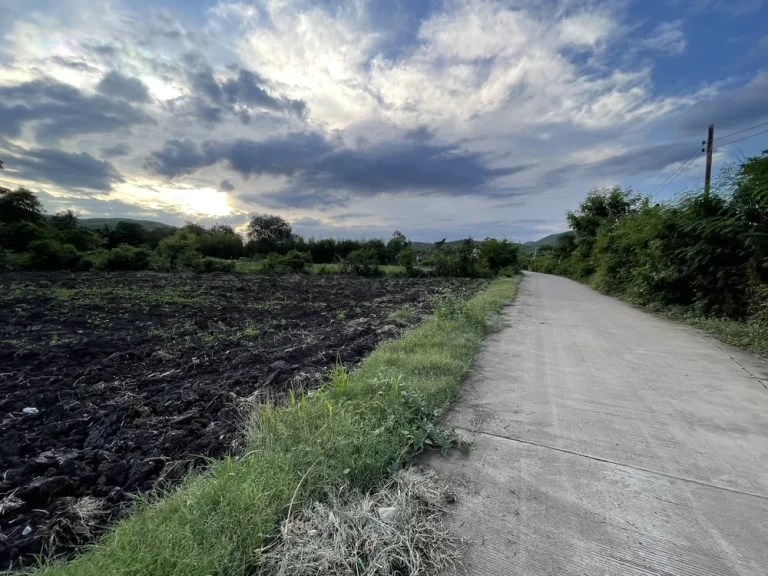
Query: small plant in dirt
pixel 401 315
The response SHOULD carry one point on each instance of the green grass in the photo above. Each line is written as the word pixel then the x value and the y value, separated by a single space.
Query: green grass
pixel 751 335
pixel 94 294
pixel 357 430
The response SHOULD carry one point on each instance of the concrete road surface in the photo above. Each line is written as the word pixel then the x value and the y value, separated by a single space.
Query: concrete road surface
pixel 609 441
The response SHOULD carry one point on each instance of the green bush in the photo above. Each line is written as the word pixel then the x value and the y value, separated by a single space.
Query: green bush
pixel 296 261
pixel 52 255
pixel 498 254
pixel 190 260
pixel 363 262
pixel 126 257
pixel 85 263
pixel 407 259
pixel 218 265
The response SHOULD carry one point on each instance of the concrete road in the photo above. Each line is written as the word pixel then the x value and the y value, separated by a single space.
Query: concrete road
pixel 610 442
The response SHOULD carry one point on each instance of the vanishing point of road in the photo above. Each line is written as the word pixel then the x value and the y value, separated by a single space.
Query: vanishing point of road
pixel 608 441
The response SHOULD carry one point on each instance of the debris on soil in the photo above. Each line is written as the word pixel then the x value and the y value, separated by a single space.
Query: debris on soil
pixel 387 514
pixel 136 378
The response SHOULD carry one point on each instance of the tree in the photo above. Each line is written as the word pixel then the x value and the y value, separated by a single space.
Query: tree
pixel 270 232
pixel 600 206
pixel 221 242
pixel 65 220
pixel 20 205
pixel 407 259
pixel 499 254
pixel 182 242
pixel 322 251
pixel 397 244
pixel 131 233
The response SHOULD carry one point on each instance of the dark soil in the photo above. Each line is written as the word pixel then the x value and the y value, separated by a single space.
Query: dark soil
pixel 136 378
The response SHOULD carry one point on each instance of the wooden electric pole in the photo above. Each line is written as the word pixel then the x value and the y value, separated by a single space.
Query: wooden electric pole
pixel 710 148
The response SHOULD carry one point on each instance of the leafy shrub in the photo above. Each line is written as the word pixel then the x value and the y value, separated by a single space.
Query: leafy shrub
pixel 498 254
pixel 407 259
pixel 296 261
pixel 85 263
pixel 363 262
pixel 218 265
pixel 182 242
pixel 52 255
pixel 126 257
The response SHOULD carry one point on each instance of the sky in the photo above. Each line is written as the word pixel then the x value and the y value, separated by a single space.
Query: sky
pixel 438 118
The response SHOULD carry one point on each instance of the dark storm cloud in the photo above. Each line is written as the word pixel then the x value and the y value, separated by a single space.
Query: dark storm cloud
pixel 116 150
pixel 226 185
pixel 61 110
pixel 118 86
pixel 323 173
pixel 246 91
pixel 61 168
pixel 177 157
pixel 747 105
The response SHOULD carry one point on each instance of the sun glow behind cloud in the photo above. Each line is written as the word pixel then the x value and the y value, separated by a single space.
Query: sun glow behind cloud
pixel 183 198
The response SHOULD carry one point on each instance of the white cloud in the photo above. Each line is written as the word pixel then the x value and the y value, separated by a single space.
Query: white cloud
pixel 667 37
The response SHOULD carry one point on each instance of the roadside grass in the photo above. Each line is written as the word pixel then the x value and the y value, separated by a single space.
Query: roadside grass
pixel 751 334
pixel 356 431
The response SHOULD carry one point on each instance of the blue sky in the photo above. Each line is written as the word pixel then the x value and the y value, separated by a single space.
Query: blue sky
pixel 438 118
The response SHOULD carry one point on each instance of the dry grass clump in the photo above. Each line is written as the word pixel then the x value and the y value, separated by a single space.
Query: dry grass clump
pixel 354 533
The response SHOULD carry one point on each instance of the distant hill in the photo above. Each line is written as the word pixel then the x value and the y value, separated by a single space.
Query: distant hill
pixel 96 223
pixel 550 240
pixel 427 246
pixel 531 245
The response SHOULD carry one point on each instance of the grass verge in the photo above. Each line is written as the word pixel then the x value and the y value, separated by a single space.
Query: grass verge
pixel 360 428
pixel 751 334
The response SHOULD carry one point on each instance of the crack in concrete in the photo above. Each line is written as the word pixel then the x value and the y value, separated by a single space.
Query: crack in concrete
pixel 606 461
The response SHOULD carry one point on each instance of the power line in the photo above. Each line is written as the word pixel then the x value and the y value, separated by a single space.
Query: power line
pixel 741 131
pixel 679 171
pixel 674 175
pixel 745 138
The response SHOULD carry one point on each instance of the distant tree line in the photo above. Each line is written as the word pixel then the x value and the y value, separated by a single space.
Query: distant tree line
pixel 704 252
pixel 33 240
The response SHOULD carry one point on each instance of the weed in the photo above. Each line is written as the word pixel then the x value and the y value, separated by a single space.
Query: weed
pixel 340 316
pixel 402 315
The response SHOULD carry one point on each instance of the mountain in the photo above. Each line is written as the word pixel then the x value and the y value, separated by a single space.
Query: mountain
pixel 96 223
pixel 529 246
pixel 550 240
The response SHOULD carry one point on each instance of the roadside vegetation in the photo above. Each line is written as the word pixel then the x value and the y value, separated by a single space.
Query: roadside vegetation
pixel 701 258
pixel 357 430
pixel 30 239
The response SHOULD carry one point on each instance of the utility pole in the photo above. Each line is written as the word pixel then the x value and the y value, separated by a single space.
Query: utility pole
pixel 710 147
